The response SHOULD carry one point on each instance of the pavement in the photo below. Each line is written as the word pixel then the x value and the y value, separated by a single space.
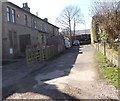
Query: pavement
pixel 14 72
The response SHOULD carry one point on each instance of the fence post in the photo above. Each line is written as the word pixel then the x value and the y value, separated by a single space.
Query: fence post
pixel 104 44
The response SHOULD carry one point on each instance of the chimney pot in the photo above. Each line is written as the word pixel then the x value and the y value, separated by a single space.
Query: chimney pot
pixel 46 19
pixel 25 7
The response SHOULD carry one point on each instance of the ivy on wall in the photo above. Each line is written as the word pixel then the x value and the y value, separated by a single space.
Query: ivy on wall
pixel 94 30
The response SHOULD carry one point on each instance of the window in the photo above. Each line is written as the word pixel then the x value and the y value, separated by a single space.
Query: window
pixel 8 14
pixel 43 26
pixel 42 38
pixel 25 18
pixel 13 15
pixel 34 24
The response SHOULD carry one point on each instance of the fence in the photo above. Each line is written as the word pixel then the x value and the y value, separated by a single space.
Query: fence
pixel 34 55
pixel 111 55
pixel 39 54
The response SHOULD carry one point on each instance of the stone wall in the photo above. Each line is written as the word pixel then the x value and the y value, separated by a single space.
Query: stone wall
pixel 111 55
pixel 39 30
pixel 0 30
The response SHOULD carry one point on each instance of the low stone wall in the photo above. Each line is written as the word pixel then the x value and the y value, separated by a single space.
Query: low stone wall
pixel 112 56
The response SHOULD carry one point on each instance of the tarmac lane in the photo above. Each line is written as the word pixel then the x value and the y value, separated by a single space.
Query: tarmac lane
pixel 72 75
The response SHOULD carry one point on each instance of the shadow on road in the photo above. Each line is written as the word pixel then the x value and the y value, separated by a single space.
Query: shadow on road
pixel 59 67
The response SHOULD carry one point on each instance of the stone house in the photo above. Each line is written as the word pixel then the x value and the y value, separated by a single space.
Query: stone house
pixel 19 28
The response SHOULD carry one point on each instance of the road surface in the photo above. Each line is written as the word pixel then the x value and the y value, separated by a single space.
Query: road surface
pixel 73 75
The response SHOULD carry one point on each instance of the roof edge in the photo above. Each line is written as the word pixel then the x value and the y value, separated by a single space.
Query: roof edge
pixel 29 12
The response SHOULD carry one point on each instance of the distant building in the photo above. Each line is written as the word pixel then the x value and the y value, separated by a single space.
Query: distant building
pixel 82 35
pixel 81 32
pixel 19 28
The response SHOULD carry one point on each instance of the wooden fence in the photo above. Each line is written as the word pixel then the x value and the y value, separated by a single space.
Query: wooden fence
pixel 39 54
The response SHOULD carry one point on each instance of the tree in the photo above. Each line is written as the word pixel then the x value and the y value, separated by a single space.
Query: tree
pixel 70 15
pixel 108 17
pixel 95 30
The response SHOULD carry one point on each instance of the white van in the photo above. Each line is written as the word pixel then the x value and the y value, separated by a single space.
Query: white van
pixel 67 42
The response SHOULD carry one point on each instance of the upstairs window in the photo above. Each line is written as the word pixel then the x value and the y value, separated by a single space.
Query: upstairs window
pixel 13 15
pixel 43 26
pixel 35 24
pixel 42 39
pixel 25 19
pixel 8 14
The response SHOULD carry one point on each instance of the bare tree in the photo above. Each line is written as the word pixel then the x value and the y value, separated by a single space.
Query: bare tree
pixel 70 15
pixel 108 17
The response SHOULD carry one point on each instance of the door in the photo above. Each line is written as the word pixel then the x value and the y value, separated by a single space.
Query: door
pixel 24 41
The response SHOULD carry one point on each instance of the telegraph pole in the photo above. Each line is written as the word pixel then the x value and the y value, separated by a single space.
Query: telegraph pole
pixel 85 27
pixel 74 29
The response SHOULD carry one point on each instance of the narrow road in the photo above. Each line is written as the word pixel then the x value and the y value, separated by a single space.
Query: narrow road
pixel 73 75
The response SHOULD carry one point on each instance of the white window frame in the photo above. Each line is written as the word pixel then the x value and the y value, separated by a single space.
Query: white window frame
pixel 8 14
pixel 13 15
pixel 26 19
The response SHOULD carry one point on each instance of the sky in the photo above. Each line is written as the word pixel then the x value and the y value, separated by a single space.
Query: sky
pixel 51 9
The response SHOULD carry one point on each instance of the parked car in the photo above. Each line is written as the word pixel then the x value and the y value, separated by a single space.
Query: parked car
pixel 76 42
pixel 67 42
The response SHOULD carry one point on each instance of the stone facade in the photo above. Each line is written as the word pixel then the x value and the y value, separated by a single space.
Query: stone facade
pixel 0 30
pixel 22 28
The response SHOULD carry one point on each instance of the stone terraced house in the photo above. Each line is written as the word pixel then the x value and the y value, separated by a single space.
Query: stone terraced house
pixel 19 28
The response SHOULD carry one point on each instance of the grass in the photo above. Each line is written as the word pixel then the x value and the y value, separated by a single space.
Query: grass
pixel 111 73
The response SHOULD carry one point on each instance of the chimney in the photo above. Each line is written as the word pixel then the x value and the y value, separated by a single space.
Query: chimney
pixel 45 19
pixel 25 7
pixel 36 13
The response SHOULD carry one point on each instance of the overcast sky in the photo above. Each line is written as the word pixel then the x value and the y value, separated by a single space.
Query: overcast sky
pixel 52 8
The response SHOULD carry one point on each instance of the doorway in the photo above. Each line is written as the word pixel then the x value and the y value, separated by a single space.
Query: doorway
pixel 24 41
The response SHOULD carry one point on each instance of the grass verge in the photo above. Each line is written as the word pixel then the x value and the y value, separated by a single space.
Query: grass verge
pixel 111 73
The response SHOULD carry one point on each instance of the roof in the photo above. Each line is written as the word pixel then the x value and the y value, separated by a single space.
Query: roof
pixel 31 13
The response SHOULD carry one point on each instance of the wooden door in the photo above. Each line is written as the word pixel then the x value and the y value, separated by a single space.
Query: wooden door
pixel 24 41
